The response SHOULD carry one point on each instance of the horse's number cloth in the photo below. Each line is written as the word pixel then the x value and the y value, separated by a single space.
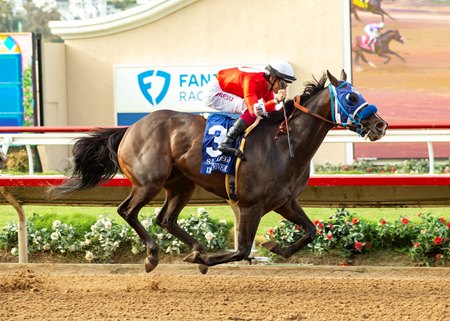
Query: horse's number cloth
pixel 364 4
pixel 216 129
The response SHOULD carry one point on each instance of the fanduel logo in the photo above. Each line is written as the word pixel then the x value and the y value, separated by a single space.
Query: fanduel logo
pixel 149 81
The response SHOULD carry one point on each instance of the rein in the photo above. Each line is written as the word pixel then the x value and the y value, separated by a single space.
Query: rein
pixel 308 111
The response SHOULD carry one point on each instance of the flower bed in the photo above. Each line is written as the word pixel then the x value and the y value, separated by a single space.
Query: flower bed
pixel 427 242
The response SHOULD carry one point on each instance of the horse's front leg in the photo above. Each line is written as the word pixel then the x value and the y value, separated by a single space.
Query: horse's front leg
pixel 396 54
pixel 384 55
pixel 248 224
pixel 295 214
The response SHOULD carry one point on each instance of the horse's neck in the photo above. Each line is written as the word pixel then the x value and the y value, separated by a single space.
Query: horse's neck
pixel 309 130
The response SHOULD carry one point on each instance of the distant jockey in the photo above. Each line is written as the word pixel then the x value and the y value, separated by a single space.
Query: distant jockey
pixel 373 30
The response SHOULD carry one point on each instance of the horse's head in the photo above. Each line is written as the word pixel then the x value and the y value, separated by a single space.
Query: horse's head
pixel 392 35
pixel 350 109
pixel 398 37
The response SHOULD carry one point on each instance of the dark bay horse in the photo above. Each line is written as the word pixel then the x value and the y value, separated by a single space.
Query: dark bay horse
pixel 373 6
pixel 163 151
pixel 381 47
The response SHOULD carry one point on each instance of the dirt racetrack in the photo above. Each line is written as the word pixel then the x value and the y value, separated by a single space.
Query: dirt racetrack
pixel 231 292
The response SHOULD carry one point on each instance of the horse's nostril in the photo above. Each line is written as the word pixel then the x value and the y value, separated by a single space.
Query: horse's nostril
pixel 381 125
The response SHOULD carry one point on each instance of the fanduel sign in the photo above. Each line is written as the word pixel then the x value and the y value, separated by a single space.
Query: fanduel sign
pixel 139 90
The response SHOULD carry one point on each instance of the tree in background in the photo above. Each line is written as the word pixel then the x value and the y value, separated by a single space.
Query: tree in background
pixel 31 19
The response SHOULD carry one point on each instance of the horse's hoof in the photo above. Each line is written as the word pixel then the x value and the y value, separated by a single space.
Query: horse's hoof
pixel 203 268
pixel 150 264
pixel 192 258
pixel 270 245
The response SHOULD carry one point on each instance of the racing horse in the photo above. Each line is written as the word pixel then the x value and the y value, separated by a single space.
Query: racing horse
pixel 163 151
pixel 373 6
pixel 381 47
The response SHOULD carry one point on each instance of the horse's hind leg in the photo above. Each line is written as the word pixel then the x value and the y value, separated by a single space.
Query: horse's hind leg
pixel 178 193
pixel 295 214
pixel 129 210
pixel 248 224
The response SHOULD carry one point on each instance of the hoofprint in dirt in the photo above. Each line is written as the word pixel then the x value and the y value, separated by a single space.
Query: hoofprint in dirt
pixel 230 292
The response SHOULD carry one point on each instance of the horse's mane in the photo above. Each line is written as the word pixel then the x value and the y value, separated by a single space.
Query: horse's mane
pixel 312 88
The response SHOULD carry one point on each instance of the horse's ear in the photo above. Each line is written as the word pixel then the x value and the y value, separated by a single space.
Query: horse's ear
pixel 332 79
pixel 343 75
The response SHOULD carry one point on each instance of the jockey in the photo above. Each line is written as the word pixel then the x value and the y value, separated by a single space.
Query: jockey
pixel 238 91
pixel 373 30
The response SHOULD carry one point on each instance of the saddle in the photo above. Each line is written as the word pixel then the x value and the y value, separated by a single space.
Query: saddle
pixel 364 43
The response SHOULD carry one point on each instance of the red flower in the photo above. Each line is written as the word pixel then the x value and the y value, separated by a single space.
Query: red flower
pixel 405 221
pixel 359 246
pixel 383 221
pixel 329 236
pixel 320 232
pixel 448 225
pixel 419 214
pixel 344 168
pixel 392 170
pixel 438 256
pixel 270 232
pixel 343 264
pixel 298 228
pixel 416 244
pixel 438 240
pixel 368 169
pixel 382 171
pixel 321 225
pixel 355 220
pixel 442 219
pixel 316 221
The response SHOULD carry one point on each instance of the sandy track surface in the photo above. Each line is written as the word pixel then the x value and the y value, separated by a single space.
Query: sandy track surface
pixel 230 292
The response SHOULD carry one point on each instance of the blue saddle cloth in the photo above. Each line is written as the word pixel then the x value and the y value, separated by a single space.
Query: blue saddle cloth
pixel 217 126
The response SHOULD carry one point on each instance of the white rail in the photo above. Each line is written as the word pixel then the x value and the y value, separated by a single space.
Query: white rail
pixel 428 136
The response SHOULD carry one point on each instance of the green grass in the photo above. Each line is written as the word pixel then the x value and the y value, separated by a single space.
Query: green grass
pixel 86 216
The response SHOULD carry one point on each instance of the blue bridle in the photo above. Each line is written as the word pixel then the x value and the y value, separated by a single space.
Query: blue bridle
pixel 345 112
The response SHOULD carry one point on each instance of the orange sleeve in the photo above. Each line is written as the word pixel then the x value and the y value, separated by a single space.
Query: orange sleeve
pixel 251 97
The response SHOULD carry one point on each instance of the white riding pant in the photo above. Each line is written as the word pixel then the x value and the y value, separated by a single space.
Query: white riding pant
pixel 214 97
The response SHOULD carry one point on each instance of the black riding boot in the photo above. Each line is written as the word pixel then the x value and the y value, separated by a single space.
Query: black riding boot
pixel 226 146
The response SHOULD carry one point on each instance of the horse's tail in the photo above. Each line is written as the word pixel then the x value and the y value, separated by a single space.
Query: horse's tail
pixel 94 161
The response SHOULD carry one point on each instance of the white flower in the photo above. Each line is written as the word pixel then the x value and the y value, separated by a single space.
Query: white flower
pixel 209 236
pixel 56 224
pixel 146 223
pixel 157 210
pixel 89 256
pixel 223 222
pixel 182 221
pixel 108 224
pixel 46 247
pixel 116 244
pixel 169 250
pixel 160 236
pixel 87 242
pixel 201 210
pixel 14 251
pixel 134 250
pixel 72 248
pixel 54 236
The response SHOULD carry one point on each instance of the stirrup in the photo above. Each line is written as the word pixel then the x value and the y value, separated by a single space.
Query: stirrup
pixel 233 151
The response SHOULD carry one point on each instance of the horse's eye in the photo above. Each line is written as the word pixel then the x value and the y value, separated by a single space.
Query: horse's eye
pixel 351 98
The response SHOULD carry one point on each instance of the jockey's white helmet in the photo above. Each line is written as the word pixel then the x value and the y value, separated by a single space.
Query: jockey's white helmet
pixel 281 69
pixel 381 25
